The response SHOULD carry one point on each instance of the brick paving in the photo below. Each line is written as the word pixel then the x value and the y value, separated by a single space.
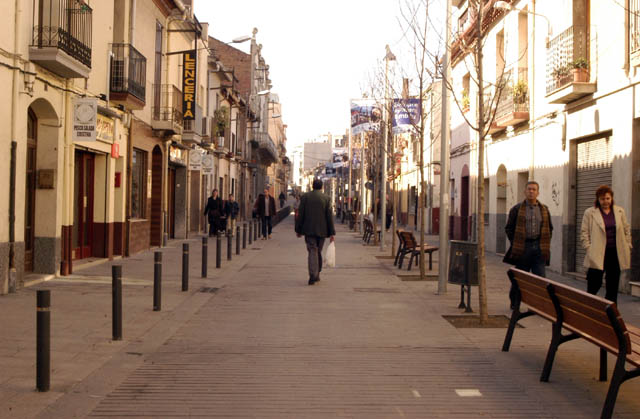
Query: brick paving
pixel 360 344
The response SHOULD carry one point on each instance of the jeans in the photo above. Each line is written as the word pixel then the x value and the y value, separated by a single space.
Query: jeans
pixel 612 268
pixel 266 226
pixel 231 226
pixel 530 261
pixel 314 247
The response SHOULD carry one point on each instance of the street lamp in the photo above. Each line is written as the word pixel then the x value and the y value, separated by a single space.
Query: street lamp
pixel 383 182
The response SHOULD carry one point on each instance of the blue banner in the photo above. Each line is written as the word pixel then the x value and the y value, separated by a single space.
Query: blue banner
pixel 406 115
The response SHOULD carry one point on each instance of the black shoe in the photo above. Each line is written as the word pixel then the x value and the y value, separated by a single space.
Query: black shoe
pixel 312 281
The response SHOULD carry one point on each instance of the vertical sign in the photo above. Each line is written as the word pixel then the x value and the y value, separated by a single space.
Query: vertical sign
pixel 189 85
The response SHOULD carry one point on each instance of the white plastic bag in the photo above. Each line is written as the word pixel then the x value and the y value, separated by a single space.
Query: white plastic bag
pixel 330 255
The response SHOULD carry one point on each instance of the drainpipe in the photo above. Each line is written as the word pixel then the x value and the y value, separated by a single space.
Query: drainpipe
pixel 132 22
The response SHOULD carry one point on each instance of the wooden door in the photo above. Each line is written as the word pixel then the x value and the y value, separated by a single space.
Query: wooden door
pixel 171 222
pixel 83 198
pixel 464 208
pixel 156 198
pixel 30 192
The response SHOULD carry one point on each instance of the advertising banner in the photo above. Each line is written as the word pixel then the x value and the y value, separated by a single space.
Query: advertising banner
pixel 406 115
pixel 365 116
pixel 85 115
pixel 189 85
pixel 195 160
pixel 207 164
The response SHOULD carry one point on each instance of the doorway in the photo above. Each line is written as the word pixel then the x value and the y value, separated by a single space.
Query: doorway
pixel 30 192
pixel 156 197
pixel 171 204
pixel 464 208
pixel 82 233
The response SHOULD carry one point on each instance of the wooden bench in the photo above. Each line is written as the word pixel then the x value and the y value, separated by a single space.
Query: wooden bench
pixel 583 315
pixel 400 247
pixel 368 231
pixel 411 247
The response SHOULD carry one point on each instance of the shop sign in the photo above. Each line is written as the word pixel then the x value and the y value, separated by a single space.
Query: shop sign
pixel 195 160
pixel 207 164
pixel 105 128
pixel 189 85
pixel 85 112
pixel 177 155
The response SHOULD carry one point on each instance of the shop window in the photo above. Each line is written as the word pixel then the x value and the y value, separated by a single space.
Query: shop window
pixel 138 183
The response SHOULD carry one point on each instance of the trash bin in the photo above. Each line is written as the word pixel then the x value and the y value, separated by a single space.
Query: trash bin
pixel 463 268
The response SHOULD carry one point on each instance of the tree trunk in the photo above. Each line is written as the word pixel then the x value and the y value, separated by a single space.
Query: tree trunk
pixel 421 199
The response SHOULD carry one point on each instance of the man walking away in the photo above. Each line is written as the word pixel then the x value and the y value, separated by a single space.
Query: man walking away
pixel 529 230
pixel 265 207
pixel 213 211
pixel 315 223
pixel 282 198
pixel 231 210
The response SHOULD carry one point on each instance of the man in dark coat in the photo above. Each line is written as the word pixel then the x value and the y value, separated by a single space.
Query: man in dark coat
pixel 213 211
pixel 529 230
pixel 282 198
pixel 265 207
pixel 315 223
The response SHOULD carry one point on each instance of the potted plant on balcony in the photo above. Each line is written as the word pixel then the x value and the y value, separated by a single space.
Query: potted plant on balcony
pixel 465 102
pixel 559 74
pixel 580 70
pixel 519 92
pixel 221 123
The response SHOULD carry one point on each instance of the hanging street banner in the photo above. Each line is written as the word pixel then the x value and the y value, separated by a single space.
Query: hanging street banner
pixel 406 115
pixel 85 115
pixel 365 116
pixel 189 85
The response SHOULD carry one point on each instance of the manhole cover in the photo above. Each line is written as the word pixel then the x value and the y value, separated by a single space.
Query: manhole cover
pixel 380 290
pixel 208 289
pixel 473 322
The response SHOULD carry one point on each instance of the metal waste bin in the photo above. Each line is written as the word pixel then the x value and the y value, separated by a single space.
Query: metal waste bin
pixel 463 268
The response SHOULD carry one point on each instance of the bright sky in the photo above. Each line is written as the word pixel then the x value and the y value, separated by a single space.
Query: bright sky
pixel 319 52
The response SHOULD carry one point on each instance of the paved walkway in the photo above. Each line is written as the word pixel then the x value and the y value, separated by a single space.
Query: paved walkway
pixel 361 343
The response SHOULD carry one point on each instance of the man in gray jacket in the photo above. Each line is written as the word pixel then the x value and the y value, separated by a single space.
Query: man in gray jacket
pixel 315 223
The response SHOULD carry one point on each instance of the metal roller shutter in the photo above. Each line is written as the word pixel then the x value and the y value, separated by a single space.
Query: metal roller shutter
pixel 594 168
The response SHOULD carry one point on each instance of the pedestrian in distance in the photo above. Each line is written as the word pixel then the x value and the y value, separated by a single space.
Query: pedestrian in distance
pixel 315 223
pixel 265 208
pixel 389 214
pixel 214 211
pixel 282 198
pixel 231 210
pixel 296 206
pixel 529 230
pixel 606 236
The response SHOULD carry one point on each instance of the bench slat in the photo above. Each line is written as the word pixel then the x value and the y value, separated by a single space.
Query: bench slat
pixel 591 312
pixel 536 303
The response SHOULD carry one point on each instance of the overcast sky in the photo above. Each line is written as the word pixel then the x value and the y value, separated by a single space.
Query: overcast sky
pixel 319 52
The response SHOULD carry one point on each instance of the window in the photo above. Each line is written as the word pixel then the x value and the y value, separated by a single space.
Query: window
pixel 138 183
pixel 634 25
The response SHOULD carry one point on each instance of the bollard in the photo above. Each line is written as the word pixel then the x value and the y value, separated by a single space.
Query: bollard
pixel 244 235
pixel 157 281
pixel 237 240
pixel 229 245
pixel 43 340
pixel 255 230
pixel 250 231
pixel 185 266
pixel 205 245
pixel 218 251
pixel 116 301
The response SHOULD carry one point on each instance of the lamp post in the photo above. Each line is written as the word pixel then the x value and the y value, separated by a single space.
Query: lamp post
pixel 385 114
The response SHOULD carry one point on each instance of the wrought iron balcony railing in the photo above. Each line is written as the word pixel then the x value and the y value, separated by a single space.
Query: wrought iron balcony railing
pixel 64 24
pixel 515 96
pixel 167 100
pixel 128 71
pixel 563 51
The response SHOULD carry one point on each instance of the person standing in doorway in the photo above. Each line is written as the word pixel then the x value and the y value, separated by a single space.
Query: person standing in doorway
pixel 231 210
pixel 315 223
pixel 265 207
pixel 529 230
pixel 282 198
pixel 606 236
pixel 213 211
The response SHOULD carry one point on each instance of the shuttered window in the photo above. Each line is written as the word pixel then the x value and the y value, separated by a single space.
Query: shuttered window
pixel 593 169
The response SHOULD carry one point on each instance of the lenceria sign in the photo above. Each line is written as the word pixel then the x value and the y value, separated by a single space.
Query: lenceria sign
pixel 189 85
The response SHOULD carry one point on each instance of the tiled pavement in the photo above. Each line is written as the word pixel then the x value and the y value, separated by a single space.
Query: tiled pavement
pixel 361 343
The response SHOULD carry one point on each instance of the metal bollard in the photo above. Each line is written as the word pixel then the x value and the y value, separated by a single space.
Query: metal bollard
pixel 43 340
pixel 204 256
pixel 157 281
pixel 185 266
pixel 218 251
pixel 116 301
pixel 255 230
pixel 237 240
pixel 244 235
pixel 250 231
pixel 229 245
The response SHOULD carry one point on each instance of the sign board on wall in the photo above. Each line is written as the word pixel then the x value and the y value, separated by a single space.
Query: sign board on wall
pixel 104 129
pixel 195 160
pixel 85 113
pixel 207 164
pixel 177 155
pixel 189 85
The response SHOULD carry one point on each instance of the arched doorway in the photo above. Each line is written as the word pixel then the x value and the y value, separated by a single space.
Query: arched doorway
pixel 464 204
pixel 156 197
pixel 501 209
pixel 30 190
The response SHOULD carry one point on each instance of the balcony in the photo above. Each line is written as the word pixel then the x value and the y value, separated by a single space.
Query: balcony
pixel 266 147
pixel 195 129
pixel 128 77
pixel 61 40
pixel 166 114
pixel 513 107
pixel 564 53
